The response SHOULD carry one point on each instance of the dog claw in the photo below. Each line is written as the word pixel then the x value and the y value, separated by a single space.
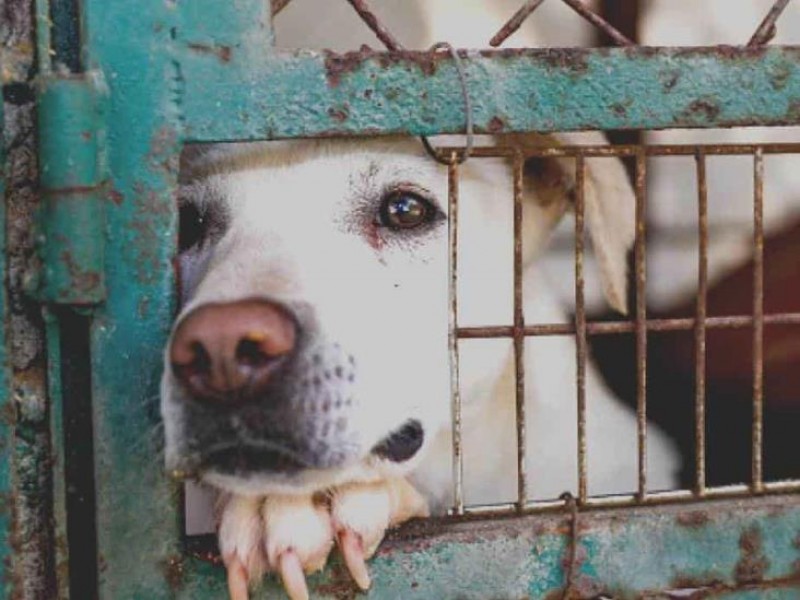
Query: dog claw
pixel 352 549
pixel 292 576
pixel 237 580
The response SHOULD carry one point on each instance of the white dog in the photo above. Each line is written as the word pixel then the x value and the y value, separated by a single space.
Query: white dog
pixel 307 374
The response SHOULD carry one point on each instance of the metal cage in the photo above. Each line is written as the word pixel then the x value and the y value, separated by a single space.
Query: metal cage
pixel 119 92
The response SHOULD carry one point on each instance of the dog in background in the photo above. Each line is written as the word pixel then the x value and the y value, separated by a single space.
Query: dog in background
pixel 306 376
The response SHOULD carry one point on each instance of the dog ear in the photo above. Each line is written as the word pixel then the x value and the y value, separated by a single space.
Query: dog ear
pixel 608 199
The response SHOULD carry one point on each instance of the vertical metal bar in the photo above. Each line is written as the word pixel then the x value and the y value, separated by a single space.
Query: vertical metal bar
pixel 766 30
pixel 514 22
pixel 700 325
pixel 758 320
pixel 378 28
pixel 640 258
pixel 580 326
pixel 44 46
pixel 519 336
pixel 452 231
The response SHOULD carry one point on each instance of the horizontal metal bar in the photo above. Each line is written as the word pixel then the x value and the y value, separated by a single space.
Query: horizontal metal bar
pixel 294 94
pixel 630 150
pixel 606 328
pixel 653 498
pixel 747 543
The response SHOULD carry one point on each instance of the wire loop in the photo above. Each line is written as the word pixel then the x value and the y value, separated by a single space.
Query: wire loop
pixel 468 121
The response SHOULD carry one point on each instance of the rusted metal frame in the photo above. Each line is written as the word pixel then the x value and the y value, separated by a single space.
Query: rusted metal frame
pixel 356 93
pixel 524 556
pixel 653 498
pixel 617 327
pixel 599 22
pixel 640 261
pixel 766 30
pixel 622 151
pixel 758 321
pixel 452 230
pixel 514 23
pixel 700 325
pixel 379 29
pixel 581 345
pixel 519 337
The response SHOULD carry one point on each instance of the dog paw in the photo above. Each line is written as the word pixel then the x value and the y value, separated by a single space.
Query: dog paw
pixel 361 514
pixel 287 535
pixel 292 536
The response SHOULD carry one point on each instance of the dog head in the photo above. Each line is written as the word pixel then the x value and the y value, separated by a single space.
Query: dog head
pixel 312 343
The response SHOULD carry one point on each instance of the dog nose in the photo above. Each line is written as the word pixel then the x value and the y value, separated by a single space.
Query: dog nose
pixel 228 352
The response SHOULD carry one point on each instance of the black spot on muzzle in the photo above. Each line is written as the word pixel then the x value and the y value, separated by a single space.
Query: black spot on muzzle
pixel 402 444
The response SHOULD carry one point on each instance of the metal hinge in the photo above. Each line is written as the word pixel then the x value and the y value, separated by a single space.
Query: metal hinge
pixel 72 177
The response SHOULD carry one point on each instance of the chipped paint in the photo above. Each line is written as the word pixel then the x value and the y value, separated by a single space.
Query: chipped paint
pixel 527 89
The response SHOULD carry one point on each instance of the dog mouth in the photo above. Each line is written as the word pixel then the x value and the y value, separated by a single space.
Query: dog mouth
pixel 241 459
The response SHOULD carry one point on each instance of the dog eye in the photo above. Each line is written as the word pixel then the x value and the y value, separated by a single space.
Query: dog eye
pixel 192 228
pixel 402 209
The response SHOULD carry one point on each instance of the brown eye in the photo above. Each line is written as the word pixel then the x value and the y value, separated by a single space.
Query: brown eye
pixel 402 209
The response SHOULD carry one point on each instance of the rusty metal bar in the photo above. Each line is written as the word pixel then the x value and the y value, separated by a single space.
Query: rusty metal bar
pixel 632 150
pixel 640 258
pixel 519 336
pixel 278 5
pixel 700 326
pixel 599 22
pixel 514 22
pixel 630 500
pixel 617 327
pixel 379 29
pixel 767 30
pixel 458 457
pixel 758 321
pixel 581 346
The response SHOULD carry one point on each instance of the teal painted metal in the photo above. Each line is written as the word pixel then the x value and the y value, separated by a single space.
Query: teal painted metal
pixel 203 71
pixel 72 174
pixel 719 547
pixel 7 572
pixel 311 94
pixel 138 517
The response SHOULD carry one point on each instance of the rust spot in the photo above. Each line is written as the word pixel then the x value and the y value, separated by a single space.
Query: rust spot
pixel 722 51
pixel 793 113
pixel 339 584
pixel 575 60
pixel 694 519
pixel 173 570
pixel 86 135
pixel 752 563
pixel 223 53
pixel 686 582
pixel 339 64
pixel 496 125
pixel 669 79
pixel 779 76
pixel 339 113
pixel 116 197
pixel 704 108
pixel 83 281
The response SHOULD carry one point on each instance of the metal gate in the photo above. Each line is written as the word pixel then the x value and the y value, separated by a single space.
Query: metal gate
pixel 116 102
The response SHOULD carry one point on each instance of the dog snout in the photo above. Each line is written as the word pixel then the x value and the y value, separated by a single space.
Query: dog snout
pixel 228 352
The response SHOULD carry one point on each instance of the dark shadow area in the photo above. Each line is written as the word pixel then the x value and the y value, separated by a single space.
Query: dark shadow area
pixel 671 381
